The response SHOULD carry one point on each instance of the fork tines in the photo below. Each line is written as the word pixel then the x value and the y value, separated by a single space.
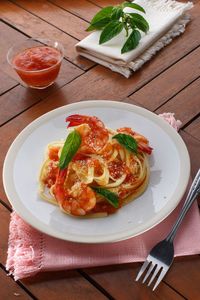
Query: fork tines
pixel 152 264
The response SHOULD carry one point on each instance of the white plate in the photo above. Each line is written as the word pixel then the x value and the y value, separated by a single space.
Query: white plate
pixel 170 169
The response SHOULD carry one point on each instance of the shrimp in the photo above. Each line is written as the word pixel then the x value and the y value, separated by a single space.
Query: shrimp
pixel 143 143
pixel 93 132
pixel 76 200
pixel 82 199
pixel 58 189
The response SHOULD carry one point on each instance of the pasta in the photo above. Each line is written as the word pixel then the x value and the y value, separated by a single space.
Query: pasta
pixel 96 170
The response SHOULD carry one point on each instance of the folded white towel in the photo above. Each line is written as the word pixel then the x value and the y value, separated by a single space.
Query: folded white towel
pixel 166 18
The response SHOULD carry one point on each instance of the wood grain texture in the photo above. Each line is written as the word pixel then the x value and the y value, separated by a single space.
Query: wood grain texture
pixel 10 130
pixel 184 276
pixel 8 35
pixel 62 285
pixel 56 16
pixel 10 289
pixel 194 127
pixel 172 81
pixel 35 27
pixel 4 230
pixel 101 83
pixel 193 146
pixel 187 98
pixel 119 282
pixel 81 8
pixel 7 82
pixel 14 102
pixel 103 3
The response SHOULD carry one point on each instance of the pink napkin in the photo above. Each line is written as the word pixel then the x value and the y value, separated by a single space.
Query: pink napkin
pixel 30 251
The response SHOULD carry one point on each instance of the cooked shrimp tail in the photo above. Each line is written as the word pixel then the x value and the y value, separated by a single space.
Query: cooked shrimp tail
pixel 143 143
pixel 93 132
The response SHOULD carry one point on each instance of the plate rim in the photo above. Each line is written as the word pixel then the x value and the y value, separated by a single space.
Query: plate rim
pixel 37 224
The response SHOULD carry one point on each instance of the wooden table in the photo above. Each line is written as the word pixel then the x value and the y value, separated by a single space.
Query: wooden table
pixel 170 82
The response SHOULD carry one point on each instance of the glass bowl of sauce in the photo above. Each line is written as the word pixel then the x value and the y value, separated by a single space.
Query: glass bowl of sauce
pixel 37 61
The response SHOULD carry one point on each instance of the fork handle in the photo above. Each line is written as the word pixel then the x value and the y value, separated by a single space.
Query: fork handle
pixel 191 197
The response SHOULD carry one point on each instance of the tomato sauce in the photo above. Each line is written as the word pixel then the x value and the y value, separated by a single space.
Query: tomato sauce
pixel 52 175
pixel 104 207
pixel 38 66
pixel 116 169
pixel 53 153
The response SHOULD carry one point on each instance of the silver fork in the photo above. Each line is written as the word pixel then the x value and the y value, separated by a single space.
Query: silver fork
pixel 161 255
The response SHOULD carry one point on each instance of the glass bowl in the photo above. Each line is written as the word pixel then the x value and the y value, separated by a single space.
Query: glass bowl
pixel 36 61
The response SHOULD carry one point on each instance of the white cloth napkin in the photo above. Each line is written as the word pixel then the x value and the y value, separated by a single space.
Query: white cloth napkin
pixel 167 19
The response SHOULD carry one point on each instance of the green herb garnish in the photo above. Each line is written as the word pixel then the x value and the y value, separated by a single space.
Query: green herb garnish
pixel 111 197
pixel 71 146
pixel 101 19
pixel 127 141
pixel 112 20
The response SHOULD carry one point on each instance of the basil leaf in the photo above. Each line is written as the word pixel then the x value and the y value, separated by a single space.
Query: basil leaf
pixel 132 41
pixel 127 141
pixel 117 13
pixel 139 22
pixel 101 18
pixel 110 31
pixel 99 24
pixel 133 5
pixel 111 197
pixel 113 19
pixel 71 146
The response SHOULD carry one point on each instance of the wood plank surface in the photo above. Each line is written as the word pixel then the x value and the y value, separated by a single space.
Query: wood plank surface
pixel 62 285
pixel 172 81
pixel 11 289
pixel 7 82
pixel 14 102
pixel 169 82
pixel 81 8
pixel 8 35
pixel 193 146
pixel 119 281
pixel 103 3
pixel 4 230
pixel 184 276
pixel 56 16
pixel 194 128
pixel 188 98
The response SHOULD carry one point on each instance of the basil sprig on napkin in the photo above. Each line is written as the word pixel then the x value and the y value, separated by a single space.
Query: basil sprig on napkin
pixel 111 197
pixel 71 146
pixel 112 20
pixel 127 141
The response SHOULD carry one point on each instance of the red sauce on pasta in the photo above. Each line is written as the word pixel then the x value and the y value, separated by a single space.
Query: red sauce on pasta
pixel 52 174
pixel 53 153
